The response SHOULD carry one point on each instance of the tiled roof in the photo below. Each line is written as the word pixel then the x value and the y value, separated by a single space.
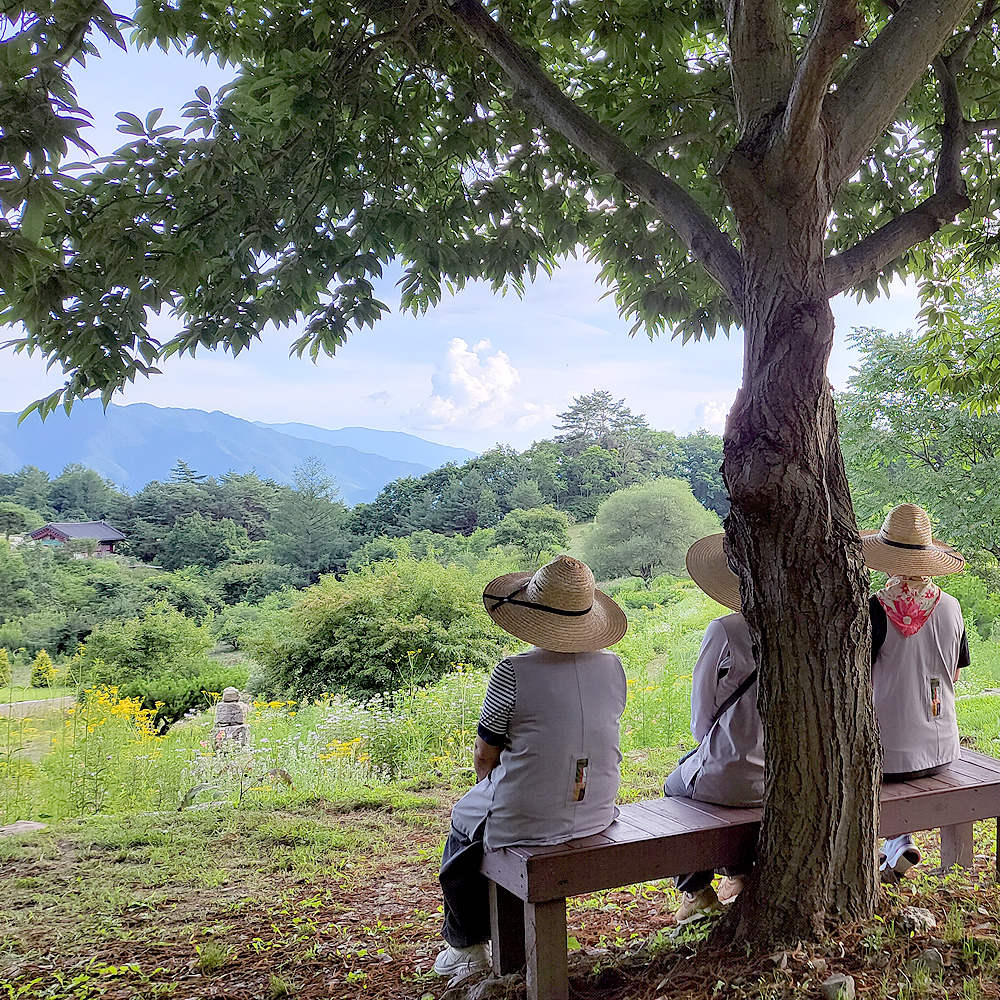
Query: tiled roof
pixel 83 529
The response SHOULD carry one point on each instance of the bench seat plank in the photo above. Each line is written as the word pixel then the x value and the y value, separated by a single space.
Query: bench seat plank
pixel 671 836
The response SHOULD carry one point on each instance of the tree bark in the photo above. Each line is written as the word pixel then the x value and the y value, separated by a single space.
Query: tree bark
pixel 804 585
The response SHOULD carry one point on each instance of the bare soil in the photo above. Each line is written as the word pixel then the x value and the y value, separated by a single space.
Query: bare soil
pixel 323 899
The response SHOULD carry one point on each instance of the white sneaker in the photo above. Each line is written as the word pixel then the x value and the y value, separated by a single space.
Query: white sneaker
pixel 901 854
pixel 697 906
pixel 461 962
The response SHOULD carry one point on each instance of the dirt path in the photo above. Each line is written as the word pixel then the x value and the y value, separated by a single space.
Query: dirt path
pixel 19 709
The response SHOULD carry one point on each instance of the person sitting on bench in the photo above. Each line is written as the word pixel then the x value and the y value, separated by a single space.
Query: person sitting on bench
pixel 916 662
pixel 547 755
pixel 727 767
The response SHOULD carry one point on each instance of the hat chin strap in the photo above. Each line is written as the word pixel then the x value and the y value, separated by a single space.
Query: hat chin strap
pixel 509 599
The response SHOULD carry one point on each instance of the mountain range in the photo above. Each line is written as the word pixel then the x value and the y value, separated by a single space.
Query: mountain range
pixel 132 445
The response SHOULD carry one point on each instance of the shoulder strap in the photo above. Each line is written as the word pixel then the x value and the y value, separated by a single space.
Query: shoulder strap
pixel 880 624
pixel 735 696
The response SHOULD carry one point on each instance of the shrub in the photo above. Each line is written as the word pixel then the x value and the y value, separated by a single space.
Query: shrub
pixel 662 591
pixel 161 656
pixel 160 641
pixel 6 673
pixel 43 673
pixel 170 696
pixel 978 603
pixel 394 624
pixel 251 582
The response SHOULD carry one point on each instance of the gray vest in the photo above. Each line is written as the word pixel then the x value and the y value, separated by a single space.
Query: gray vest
pixel 558 777
pixel 728 766
pixel 914 691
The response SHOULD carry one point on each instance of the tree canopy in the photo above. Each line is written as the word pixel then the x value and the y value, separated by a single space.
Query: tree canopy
pixel 645 530
pixel 439 134
pixel 904 443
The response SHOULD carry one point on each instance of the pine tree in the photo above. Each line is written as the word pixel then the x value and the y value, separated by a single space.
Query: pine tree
pixel 43 673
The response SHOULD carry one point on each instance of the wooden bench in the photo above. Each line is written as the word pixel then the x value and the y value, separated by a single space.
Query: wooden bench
pixel 670 836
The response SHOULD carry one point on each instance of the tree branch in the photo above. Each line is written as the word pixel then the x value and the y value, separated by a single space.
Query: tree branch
pixel 870 91
pixel 963 47
pixel 983 125
pixel 850 268
pixel 699 233
pixel 954 134
pixel 761 58
pixel 837 25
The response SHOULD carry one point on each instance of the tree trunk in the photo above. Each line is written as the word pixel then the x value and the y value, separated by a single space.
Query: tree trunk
pixel 804 585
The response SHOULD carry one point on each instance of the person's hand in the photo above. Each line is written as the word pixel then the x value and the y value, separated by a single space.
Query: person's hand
pixel 485 757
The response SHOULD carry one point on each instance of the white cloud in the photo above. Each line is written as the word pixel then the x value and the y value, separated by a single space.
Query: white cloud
pixel 710 416
pixel 475 387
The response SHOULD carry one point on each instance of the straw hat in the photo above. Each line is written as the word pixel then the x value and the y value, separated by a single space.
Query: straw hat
pixel 903 546
pixel 556 608
pixel 709 568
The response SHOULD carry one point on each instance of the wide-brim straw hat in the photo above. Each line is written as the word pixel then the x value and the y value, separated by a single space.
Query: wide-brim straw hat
pixel 557 608
pixel 903 546
pixel 709 568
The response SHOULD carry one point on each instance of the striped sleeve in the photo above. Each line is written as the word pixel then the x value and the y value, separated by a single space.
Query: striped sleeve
pixel 501 696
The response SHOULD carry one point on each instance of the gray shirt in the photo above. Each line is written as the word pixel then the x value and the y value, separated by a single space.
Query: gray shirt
pixel 913 684
pixel 727 768
pixel 560 766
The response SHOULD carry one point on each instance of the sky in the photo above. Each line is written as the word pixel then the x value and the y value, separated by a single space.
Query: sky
pixel 477 370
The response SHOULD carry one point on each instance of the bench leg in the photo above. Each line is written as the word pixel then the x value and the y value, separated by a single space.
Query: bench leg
pixel 545 942
pixel 507 930
pixel 956 846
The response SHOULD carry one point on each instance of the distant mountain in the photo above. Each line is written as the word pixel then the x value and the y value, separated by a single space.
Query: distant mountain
pixel 389 444
pixel 132 445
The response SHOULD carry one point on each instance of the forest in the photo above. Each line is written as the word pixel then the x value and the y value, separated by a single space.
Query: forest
pixel 370 599
pixel 207 557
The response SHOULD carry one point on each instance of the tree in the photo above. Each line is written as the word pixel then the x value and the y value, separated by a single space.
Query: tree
pixel 731 163
pixel 541 529
pixel 905 444
pixel 645 530
pixel 32 491
pixel 700 465
pixel 80 494
pixel 16 519
pixel 308 530
pixel 526 495
pixel 43 672
pixel 197 541
pixel 961 348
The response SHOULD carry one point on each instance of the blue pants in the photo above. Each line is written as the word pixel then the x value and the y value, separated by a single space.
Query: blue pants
pixel 465 889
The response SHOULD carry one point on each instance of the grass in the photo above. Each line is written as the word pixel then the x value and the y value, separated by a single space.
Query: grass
pixel 338 898
pixel 306 865
pixel 15 695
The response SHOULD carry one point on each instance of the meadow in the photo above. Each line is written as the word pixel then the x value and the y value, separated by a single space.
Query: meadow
pixel 305 865
pixel 102 754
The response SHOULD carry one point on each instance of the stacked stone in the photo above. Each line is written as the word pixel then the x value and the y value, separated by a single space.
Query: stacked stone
pixel 231 720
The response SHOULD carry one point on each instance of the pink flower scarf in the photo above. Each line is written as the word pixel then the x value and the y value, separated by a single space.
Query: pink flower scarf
pixel 909 601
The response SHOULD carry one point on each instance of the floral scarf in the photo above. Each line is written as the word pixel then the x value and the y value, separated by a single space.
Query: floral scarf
pixel 909 601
